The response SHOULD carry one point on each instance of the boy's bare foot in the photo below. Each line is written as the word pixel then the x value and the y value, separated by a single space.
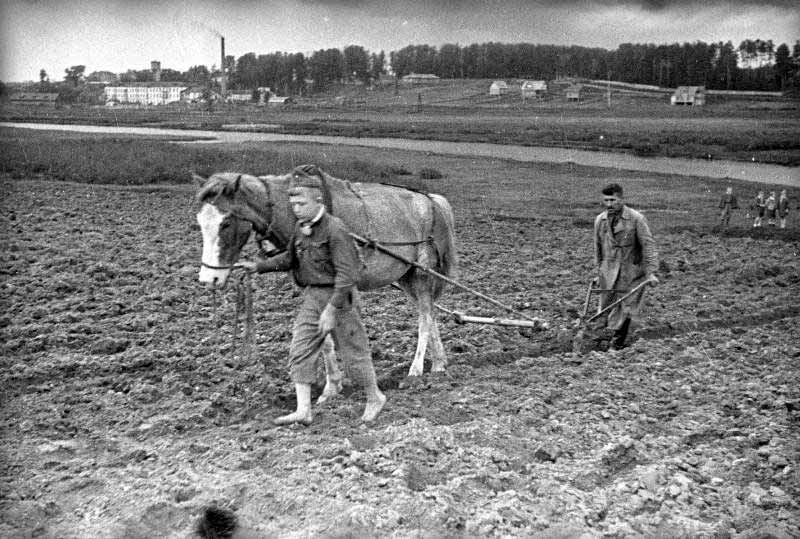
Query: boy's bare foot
pixel 304 418
pixel 373 408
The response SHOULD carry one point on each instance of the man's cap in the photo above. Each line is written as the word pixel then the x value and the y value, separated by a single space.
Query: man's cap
pixel 305 176
pixel 612 189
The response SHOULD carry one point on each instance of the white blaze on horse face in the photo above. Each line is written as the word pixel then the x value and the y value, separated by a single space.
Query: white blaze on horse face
pixel 210 218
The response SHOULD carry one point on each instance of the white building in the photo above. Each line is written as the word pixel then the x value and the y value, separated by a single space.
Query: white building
pixel 498 87
pixel 193 94
pixel 145 93
pixel 420 78
pixel 239 96
pixel 533 88
pixel 689 95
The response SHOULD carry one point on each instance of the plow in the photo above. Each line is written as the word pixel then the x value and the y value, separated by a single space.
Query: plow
pixel 460 317
pixel 585 336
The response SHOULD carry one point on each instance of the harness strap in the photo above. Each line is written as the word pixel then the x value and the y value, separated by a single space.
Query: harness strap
pixel 373 243
pixel 209 266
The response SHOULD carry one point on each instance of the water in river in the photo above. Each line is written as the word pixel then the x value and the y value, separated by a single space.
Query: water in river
pixel 740 170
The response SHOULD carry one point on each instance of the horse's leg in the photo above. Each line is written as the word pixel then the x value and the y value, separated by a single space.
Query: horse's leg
pixel 425 309
pixel 333 374
pixel 438 357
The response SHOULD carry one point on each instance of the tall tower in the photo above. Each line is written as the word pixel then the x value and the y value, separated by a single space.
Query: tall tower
pixel 155 67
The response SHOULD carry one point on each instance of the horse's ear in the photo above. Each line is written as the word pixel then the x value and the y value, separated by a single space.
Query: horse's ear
pixel 198 180
pixel 230 188
pixel 310 170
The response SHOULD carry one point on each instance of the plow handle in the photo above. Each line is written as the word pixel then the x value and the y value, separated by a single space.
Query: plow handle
pixel 589 291
pixel 620 300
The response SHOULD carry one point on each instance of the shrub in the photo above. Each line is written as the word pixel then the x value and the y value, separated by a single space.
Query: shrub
pixel 399 170
pixel 430 174
pixel 644 149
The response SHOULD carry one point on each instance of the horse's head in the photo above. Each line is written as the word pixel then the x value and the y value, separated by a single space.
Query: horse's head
pixel 231 206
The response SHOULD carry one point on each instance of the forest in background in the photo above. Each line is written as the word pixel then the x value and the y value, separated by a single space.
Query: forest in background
pixel 755 65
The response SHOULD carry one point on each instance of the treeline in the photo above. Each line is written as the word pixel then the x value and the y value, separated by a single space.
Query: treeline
pixel 753 65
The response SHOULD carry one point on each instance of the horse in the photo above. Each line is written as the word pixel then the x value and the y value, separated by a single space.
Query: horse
pixel 418 227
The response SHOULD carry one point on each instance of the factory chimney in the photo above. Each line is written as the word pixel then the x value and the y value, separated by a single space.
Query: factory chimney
pixel 223 79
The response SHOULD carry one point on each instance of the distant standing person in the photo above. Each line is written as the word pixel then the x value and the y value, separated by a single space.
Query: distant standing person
pixel 727 204
pixel 783 208
pixel 758 209
pixel 771 208
pixel 625 256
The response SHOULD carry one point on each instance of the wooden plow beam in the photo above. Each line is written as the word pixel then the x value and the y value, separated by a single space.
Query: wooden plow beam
pixel 529 322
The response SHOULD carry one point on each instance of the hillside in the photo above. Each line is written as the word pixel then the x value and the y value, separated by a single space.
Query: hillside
pixel 475 93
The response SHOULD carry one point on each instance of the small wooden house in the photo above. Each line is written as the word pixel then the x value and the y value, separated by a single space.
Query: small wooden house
pixel 689 95
pixel 573 93
pixel 239 96
pixel 534 89
pixel 420 78
pixel 39 99
pixel 385 79
pixel 193 94
pixel 498 87
pixel 276 101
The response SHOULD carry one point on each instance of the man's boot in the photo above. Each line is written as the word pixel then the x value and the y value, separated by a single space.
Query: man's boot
pixel 618 341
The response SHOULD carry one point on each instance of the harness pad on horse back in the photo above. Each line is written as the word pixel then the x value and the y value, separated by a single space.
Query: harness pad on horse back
pixel 395 216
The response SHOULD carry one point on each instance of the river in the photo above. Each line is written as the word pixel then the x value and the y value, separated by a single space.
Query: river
pixel 740 170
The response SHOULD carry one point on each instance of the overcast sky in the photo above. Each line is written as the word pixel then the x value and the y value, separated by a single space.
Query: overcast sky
pixel 117 35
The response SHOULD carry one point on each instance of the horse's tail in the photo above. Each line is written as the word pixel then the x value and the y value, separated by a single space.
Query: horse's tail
pixel 444 240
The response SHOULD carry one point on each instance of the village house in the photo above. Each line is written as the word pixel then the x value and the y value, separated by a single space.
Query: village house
pixel 689 95
pixel 498 87
pixel 384 79
pixel 420 78
pixel 275 100
pixel 239 96
pixel 38 99
pixel 533 89
pixel 193 94
pixel 573 93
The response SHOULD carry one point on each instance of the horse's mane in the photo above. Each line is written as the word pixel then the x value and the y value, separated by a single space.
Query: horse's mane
pixel 232 184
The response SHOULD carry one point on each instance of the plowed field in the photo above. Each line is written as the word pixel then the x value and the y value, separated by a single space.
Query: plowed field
pixel 127 407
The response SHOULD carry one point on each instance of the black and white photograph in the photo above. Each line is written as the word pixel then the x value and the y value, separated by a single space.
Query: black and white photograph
pixel 443 269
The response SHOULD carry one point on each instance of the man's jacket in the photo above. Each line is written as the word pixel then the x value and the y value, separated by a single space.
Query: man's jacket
pixel 625 254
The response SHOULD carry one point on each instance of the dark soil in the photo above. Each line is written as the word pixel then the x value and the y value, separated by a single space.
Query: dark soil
pixel 128 410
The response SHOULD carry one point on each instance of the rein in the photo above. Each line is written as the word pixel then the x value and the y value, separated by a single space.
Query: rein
pixel 244 312
pixel 243 306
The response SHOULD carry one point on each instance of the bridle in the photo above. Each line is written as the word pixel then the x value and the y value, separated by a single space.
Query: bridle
pixel 270 234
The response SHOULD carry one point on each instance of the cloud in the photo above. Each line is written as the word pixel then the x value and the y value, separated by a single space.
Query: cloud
pixel 533 5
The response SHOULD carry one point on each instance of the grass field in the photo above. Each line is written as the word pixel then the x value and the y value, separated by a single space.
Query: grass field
pixel 644 124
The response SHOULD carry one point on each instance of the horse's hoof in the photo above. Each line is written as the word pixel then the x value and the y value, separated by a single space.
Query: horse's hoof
pixel 292 419
pixel 331 391
pixel 410 382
